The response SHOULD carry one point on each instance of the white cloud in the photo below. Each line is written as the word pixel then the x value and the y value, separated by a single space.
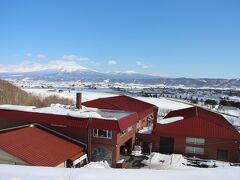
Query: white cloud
pixel 41 56
pixel 28 66
pixel 75 57
pixel 112 62
pixel 142 65
pixel 28 54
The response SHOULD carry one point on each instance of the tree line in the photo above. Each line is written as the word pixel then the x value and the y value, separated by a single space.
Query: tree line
pixel 11 94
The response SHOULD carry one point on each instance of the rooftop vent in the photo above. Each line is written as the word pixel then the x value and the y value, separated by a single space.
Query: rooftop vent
pixel 79 100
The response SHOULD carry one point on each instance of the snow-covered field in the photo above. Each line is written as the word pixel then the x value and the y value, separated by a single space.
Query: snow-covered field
pixel 86 95
pixel 14 172
pixel 162 103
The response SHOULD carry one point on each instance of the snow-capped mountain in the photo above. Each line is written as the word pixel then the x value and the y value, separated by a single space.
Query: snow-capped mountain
pixel 81 73
pixel 71 73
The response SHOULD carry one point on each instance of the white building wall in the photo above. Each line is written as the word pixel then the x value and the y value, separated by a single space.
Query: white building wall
pixel 6 158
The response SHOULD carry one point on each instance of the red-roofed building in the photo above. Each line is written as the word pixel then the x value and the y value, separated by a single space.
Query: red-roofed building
pixel 109 127
pixel 106 133
pixel 147 113
pixel 32 145
pixel 195 132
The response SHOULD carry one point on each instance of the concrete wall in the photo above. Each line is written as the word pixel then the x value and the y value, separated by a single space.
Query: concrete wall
pixel 6 158
pixel 62 165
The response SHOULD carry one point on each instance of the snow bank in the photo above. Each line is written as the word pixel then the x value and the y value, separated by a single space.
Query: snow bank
pixel 207 162
pixel 99 164
pixel 14 172
pixel 162 161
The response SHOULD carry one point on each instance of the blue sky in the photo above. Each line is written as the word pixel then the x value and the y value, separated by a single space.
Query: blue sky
pixel 172 38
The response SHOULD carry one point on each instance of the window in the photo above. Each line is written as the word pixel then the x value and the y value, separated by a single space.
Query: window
pixel 198 141
pixel 194 150
pixel 102 133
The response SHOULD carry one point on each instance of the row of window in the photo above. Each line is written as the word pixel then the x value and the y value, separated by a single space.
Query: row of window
pixel 196 141
pixel 101 133
pixel 194 150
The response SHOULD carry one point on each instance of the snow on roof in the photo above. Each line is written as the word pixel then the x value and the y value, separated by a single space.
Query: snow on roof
pixel 163 103
pixel 17 107
pixel 170 120
pixel 66 110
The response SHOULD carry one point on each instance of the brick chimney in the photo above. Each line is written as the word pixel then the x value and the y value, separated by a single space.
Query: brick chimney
pixel 79 100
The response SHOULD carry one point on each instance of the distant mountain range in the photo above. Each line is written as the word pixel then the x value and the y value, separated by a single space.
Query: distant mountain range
pixel 127 77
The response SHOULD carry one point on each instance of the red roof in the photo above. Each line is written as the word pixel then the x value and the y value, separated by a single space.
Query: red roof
pixel 125 103
pixel 50 119
pixel 117 125
pixel 198 122
pixel 43 118
pixel 39 147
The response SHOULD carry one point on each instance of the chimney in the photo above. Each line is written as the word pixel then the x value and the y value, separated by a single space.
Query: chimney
pixel 155 116
pixel 79 100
